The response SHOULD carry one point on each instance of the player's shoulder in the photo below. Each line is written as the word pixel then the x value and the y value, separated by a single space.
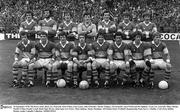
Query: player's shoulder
pixel 19 44
pixel 163 44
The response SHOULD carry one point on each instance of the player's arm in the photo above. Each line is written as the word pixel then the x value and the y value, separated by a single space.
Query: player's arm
pixel 39 26
pixel 110 53
pixel 53 51
pixel 21 27
pixel 71 52
pixel 127 53
pixel 147 52
pixel 17 53
pixel 166 53
pixel 94 31
pixel 139 27
pixel 154 28
pixel 80 30
pixel 100 26
pixel 90 54
pixel 119 28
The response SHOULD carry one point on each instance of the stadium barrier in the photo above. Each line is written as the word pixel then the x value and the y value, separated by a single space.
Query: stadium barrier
pixel 164 36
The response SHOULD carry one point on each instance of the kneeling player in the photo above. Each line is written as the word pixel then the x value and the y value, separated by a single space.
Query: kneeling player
pixel 140 55
pixel 27 49
pixel 159 49
pixel 64 59
pixel 118 54
pixel 101 60
pixel 82 60
pixel 45 55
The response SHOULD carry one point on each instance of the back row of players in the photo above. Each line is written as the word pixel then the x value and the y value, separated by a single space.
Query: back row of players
pixel 119 59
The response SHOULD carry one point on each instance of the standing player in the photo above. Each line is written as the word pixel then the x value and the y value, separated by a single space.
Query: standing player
pixel 160 50
pixel 101 60
pixel 127 28
pixel 140 55
pixel 69 27
pixel 64 59
pixel 118 56
pixel 45 57
pixel 107 26
pixel 82 60
pixel 25 48
pixel 29 25
pixel 147 27
pixel 87 28
pixel 48 25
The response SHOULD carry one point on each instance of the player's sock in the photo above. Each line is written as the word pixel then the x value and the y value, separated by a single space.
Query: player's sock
pixel 31 74
pixel 15 73
pixel 75 79
pixel 107 77
pixel 49 76
pixel 95 75
pixel 89 73
pixel 55 76
pixel 24 73
pixel 68 76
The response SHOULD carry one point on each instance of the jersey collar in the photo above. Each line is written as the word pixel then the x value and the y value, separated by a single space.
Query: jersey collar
pixel 157 45
pixel 64 44
pixel 100 44
pixel 147 24
pixel 87 25
pixel 44 44
pixel 137 45
pixel 106 22
pixel 118 46
pixel 67 24
pixel 25 45
pixel 126 23
pixel 81 46
pixel 29 22
pixel 47 20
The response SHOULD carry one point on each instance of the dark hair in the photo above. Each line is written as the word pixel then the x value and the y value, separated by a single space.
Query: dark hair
pixel 86 14
pixel 105 12
pixel 29 12
pixel 50 12
pixel 42 33
pixel 62 33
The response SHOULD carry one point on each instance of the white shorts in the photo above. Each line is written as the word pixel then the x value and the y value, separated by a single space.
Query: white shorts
pixel 140 63
pixel 158 64
pixel 120 64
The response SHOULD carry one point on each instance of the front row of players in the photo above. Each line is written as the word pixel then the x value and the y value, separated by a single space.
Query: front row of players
pixel 106 64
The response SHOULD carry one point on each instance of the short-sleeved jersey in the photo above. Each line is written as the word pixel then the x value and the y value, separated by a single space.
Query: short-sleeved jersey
pixel 27 50
pixel 91 27
pixel 158 50
pixel 67 26
pixel 45 51
pixel 47 24
pixel 119 52
pixel 64 50
pixel 139 52
pixel 146 27
pixel 100 50
pixel 104 24
pixel 82 52
pixel 28 25
pixel 130 26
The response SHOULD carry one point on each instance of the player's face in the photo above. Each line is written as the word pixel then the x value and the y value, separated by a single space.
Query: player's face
pixel 100 39
pixel 46 14
pixel 43 38
pixel 28 16
pixel 146 18
pixel 24 38
pixel 126 18
pixel 106 16
pixel 87 18
pixel 82 39
pixel 63 38
pixel 157 39
pixel 67 17
pixel 137 39
pixel 118 39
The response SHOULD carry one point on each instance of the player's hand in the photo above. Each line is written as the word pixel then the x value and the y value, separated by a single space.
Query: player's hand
pixel 168 61
pixel 111 62
pixel 32 60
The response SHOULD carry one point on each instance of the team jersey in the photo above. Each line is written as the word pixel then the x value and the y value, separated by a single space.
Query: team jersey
pixel 71 26
pixel 158 50
pixel 100 50
pixel 119 52
pixel 28 25
pixel 146 27
pixel 104 24
pixel 139 52
pixel 45 51
pixel 27 50
pixel 126 26
pixel 48 24
pixel 82 52
pixel 82 27
pixel 63 51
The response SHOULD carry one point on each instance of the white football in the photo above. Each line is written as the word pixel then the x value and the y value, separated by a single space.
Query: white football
pixel 61 83
pixel 83 85
pixel 163 84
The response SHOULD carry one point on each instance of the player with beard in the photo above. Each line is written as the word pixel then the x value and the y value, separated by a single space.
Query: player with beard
pixel 127 28
pixel 87 28
pixel 25 49
pixel 82 60
pixel 118 56
pixel 107 26
pixel 45 57
pixel 139 58
pixel 29 25
pixel 69 27
pixel 48 24
pixel 147 27
pixel 64 60
pixel 100 61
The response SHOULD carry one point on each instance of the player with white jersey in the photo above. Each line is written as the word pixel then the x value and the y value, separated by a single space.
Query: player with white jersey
pixel 147 27
pixel 107 26
pixel 139 57
pixel 29 25
pixel 25 49
pixel 160 50
pixel 64 61
pixel 82 60
pixel 101 60
pixel 118 56
pixel 48 24
pixel 45 50
pixel 127 27
pixel 87 28
pixel 69 27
